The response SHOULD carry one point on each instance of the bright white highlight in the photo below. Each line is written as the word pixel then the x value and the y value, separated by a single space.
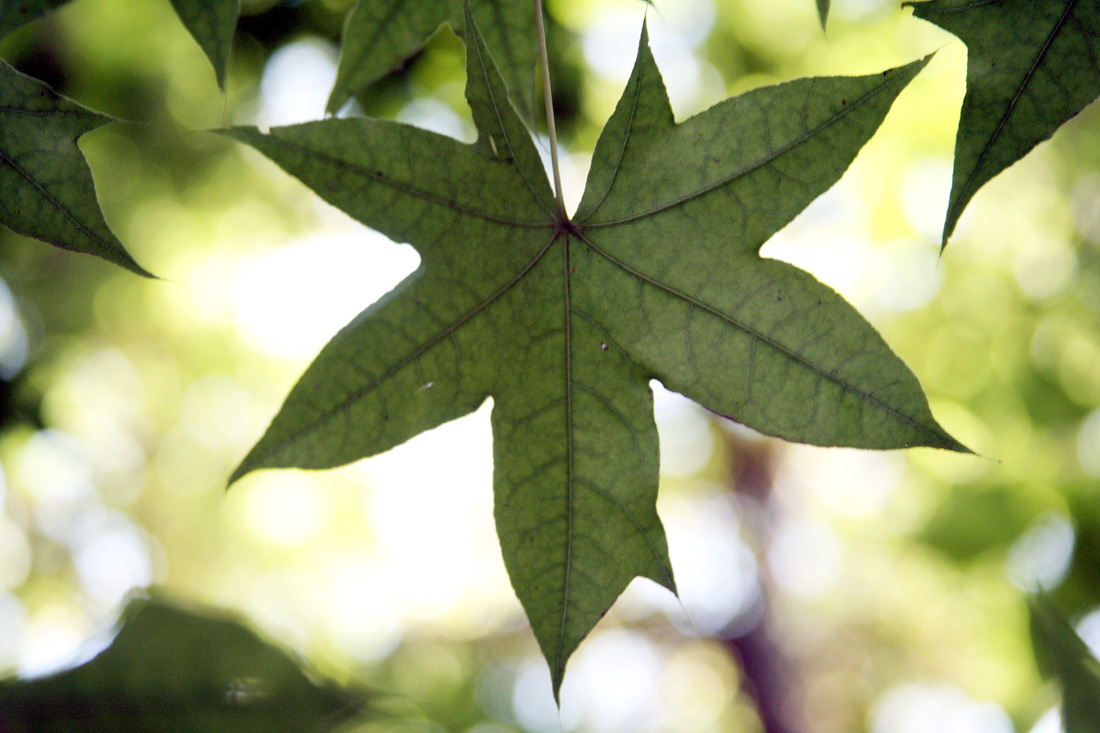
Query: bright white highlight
pixel 296 83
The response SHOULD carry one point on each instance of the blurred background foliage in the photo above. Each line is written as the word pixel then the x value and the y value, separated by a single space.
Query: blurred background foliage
pixel 822 589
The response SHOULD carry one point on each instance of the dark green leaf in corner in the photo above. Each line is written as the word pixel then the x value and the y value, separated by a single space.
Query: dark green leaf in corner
pixel 211 23
pixel 175 670
pixel 1061 652
pixel 564 322
pixel 823 12
pixel 1032 65
pixel 14 13
pixel 379 35
pixel 46 189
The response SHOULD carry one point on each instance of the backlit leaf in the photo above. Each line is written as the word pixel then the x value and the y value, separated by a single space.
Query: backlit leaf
pixel 211 23
pixel 46 189
pixel 563 322
pixel 381 34
pixel 1032 65
pixel 175 670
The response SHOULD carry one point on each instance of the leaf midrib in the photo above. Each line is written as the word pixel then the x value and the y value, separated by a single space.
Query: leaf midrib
pixel 381 28
pixel 403 187
pixel 571 479
pixel 753 333
pixel 376 383
pixel 736 175
pixel 496 105
pixel 5 158
pixel 559 661
pixel 995 137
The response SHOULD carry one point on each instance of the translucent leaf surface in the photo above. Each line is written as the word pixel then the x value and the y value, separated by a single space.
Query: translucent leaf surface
pixel 380 34
pixel 564 322
pixel 46 189
pixel 212 23
pixel 175 670
pixel 14 13
pixel 1032 65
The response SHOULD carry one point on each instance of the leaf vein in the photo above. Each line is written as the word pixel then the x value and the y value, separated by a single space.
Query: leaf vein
pixel 425 196
pixel 427 344
pixel 962 197
pixel 751 168
pixel 832 376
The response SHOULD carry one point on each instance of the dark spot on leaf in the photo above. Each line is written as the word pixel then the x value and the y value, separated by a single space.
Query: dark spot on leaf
pixel 716 159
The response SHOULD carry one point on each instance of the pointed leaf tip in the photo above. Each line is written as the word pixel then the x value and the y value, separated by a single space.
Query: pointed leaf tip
pixel 1031 66
pixel 46 188
pixel 212 24
pixel 380 35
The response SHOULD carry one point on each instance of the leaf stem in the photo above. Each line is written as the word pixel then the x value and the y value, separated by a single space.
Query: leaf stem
pixel 545 63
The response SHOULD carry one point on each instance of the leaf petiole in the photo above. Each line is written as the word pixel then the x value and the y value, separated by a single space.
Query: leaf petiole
pixel 548 97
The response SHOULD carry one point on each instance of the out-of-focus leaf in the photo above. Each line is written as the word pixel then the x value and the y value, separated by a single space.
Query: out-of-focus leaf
pixel 823 12
pixel 212 23
pixel 14 13
pixel 564 321
pixel 1059 649
pixel 46 189
pixel 380 34
pixel 1032 65
pixel 175 670
pixel 1080 590
pixel 971 523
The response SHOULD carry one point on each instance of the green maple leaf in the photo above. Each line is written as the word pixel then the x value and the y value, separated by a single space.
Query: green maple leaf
pixel 381 34
pixel 46 189
pixel 211 23
pixel 1032 65
pixel 564 321
pixel 14 13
